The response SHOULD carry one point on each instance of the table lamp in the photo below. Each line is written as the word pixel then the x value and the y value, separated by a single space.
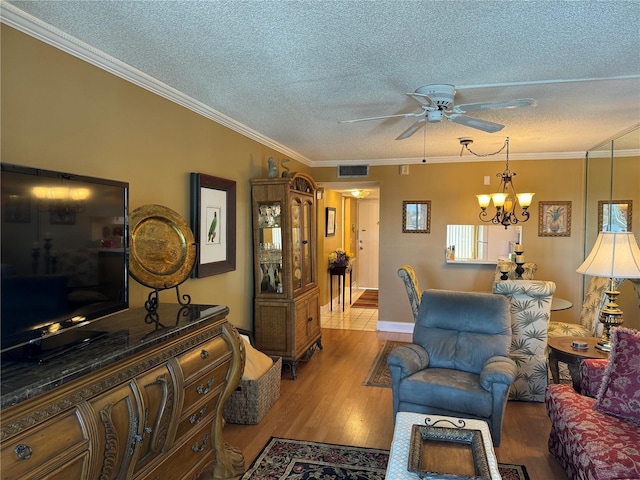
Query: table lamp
pixel 614 255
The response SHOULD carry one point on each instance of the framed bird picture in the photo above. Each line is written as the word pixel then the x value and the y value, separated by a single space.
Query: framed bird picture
pixel 213 221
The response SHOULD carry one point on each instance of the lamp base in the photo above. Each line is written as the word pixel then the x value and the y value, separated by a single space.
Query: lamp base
pixel 610 316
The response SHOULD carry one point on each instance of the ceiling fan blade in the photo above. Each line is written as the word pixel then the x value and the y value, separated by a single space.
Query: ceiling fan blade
pixel 477 107
pixel 422 99
pixel 472 122
pixel 382 117
pixel 412 129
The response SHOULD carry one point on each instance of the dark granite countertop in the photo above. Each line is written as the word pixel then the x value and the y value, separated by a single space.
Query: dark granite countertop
pixel 111 339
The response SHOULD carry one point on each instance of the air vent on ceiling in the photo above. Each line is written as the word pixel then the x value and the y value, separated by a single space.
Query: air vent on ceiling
pixel 351 171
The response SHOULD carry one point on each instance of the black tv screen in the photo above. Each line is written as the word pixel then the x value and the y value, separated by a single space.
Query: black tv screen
pixel 64 255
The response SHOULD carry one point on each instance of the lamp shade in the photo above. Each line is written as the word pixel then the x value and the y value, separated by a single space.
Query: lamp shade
pixel 614 255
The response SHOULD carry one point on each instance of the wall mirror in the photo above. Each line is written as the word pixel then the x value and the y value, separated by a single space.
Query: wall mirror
pixel 481 243
pixel 614 215
pixel 416 216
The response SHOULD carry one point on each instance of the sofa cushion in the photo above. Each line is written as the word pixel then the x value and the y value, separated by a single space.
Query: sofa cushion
pixel 619 392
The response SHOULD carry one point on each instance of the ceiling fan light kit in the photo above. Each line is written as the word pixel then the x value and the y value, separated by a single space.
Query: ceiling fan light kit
pixel 360 193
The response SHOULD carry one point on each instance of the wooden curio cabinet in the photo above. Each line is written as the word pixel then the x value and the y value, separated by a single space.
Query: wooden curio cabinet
pixel 287 297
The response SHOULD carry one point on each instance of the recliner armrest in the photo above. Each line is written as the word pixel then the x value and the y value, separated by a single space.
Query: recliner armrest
pixel 410 358
pixel 497 370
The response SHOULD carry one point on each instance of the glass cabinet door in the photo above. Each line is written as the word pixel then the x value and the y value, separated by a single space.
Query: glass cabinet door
pixel 270 234
pixel 301 234
pixel 296 242
pixel 307 274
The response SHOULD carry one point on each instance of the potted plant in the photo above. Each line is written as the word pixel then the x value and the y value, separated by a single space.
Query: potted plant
pixel 340 258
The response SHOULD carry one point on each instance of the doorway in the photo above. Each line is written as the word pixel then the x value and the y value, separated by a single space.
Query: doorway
pixel 361 239
pixel 368 243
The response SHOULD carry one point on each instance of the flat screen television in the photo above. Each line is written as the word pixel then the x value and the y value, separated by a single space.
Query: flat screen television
pixel 63 258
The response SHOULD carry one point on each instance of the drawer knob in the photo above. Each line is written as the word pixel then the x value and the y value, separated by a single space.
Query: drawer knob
pixel 204 354
pixel 196 417
pixel 202 390
pixel 198 448
pixel 24 451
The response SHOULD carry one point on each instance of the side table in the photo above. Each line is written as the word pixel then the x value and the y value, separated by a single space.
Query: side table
pixel 399 454
pixel 339 272
pixel 560 350
pixel 558 303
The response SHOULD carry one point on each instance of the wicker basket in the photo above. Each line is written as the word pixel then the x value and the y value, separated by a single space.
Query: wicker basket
pixel 253 398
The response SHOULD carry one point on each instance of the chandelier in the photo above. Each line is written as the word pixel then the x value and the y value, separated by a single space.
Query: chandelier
pixel 505 200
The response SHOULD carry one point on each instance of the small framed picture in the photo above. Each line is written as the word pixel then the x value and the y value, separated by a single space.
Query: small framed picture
pixel 331 222
pixel 615 215
pixel 416 216
pixel 554 219
pixel 213 221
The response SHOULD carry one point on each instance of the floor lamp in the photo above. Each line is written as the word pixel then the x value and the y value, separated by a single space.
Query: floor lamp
pixel 614 255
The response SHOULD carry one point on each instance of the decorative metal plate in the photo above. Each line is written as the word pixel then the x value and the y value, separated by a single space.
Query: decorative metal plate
pixel 439 453
pixel 162 249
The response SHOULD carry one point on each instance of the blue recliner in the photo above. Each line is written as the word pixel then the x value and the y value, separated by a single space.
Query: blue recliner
pixel 458 364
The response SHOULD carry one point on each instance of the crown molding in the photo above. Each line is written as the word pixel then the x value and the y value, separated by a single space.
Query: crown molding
pixel 34 27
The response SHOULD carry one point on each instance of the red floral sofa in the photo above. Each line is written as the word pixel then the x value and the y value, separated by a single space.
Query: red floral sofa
pixel 596 436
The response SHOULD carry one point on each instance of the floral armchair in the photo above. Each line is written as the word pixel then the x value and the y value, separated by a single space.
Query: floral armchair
pixel 594 299
pixel 408 276
pixel 530 312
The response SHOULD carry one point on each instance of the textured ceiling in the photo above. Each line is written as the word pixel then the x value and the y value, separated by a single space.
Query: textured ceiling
pixel 289 71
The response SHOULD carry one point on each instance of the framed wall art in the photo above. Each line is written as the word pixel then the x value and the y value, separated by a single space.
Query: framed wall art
pixel 416 216
pixel 213 221
pixel 614 215
pixel 554 219
pixel 331 222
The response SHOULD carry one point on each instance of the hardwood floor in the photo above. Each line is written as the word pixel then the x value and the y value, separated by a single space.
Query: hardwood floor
pixel 329 403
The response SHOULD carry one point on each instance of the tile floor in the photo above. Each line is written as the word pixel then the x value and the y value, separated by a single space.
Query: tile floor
pixel 364 319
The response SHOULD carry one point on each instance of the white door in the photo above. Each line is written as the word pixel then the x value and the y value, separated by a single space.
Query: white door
pixel 368 243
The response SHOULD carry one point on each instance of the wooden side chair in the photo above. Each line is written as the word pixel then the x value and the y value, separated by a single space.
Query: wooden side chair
pixel 408 276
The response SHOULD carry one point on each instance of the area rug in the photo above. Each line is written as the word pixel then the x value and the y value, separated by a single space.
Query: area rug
pixel 368 299
pixel 283 459
pixel 379 375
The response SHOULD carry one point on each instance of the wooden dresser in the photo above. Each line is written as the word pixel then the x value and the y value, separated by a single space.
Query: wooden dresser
pixel 143 400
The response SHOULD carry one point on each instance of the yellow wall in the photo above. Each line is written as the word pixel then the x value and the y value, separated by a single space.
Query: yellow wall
pixel 451 189
pixel 61 113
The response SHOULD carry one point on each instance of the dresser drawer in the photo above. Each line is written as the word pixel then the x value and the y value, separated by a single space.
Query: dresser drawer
pixel 194 451
pixel 76 469
pixel 58 438
pixel 200 358
pixel 206 385
pixel 203 413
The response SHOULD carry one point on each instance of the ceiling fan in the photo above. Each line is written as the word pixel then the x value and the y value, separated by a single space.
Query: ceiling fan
pixel 436 102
